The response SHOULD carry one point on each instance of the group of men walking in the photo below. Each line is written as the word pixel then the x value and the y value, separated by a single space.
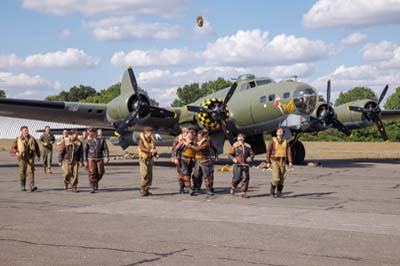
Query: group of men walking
pixel 194 157
pixel 193 154
pixel 91 151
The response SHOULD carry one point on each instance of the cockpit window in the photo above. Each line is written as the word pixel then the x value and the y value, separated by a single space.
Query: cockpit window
pixel 263 82
pixel 305 100
pixel 247 85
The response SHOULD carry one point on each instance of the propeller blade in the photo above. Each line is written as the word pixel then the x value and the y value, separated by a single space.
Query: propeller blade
pixel 125 124
pixel 328 92
pixel 383 94
pixel 381 129
pixel 342 128
pixel 197 109
pixel 133 81
pixel 230 93
pixel 356 109
pixel 228 129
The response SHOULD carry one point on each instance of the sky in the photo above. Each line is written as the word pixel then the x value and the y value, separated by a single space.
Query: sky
pixel 51 45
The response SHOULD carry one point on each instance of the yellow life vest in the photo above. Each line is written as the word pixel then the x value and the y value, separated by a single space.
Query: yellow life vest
pixel 147 145
pixel 280 148
pixel 188 152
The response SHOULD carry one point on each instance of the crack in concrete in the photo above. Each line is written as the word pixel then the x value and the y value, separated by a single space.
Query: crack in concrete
pixel 162 255
pixel 91 247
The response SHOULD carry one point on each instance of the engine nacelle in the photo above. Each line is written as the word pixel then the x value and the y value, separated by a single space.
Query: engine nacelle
pixel 321 109
pixel 355 119
pixel 122 105
pixel 208 120
pixel 126 140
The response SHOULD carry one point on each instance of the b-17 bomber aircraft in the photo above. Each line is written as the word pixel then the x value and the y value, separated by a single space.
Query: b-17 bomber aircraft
pixel 252 105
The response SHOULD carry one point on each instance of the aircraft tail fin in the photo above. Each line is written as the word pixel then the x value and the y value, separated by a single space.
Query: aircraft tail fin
pixel 126 84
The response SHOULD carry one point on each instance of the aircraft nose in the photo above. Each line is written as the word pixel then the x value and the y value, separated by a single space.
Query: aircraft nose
pixel 305 99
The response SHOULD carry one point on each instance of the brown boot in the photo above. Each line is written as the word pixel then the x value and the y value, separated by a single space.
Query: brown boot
pixel 272 191
pixel 244 195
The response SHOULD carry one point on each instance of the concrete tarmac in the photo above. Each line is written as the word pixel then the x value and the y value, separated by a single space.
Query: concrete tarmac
pixel 344 213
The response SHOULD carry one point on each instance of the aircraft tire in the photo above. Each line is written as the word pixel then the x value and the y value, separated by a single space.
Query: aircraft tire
pixel 298 152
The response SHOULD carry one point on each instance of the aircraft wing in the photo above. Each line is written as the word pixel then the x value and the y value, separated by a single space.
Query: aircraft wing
pixel 62 112
pixel 390 114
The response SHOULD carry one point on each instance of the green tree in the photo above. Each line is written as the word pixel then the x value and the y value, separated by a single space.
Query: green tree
pixel 192 92
pixel 356 93
pixel 393 101
pixel 2 94
pixel 75 94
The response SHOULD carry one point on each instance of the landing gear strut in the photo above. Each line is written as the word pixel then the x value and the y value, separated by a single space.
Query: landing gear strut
pixel 298 151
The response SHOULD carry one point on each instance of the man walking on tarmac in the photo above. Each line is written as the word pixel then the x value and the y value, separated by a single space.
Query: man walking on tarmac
pixel 185 149
pixel 241 154
pixel 206 153
pixel 72 155
pixel 95 154
pixel 278 154
pixel 147 153
pixel 177 155
pixel 25 147
pixel 47 139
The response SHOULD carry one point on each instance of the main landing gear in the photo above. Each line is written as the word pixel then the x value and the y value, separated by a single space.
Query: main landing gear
pixel 298 150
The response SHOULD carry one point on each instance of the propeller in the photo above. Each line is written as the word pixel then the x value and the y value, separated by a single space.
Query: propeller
pixel 141 108
pixel 219 113
pixel 328 116
pixel 373 113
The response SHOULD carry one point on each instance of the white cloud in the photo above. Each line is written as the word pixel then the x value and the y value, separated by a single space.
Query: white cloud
pixel 21 85
pixel 127 27
pixel 300 70
pixel 163 8
pixel 70 58
pixel 164 78
pixel 354 38
pixel 165 57
pixel 378 51
pixel 385 54
pixel 253 48
pixel 354 13
pixel 206 30
pixel 344 78
pixel 64 34
pixel 9 61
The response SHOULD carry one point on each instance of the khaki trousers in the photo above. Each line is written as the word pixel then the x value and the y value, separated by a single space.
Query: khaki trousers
pixel 146 174
pixel 47 158
pixel 71 173
pixel 278 172
pixel 27 165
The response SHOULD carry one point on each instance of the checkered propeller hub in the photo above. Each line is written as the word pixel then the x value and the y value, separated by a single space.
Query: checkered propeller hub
pixel 211 121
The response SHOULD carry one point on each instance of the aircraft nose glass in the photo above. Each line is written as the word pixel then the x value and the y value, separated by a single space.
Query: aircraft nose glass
pixel 305 100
